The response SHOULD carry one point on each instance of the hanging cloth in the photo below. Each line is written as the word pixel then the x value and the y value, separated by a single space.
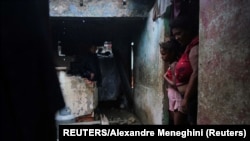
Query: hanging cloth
pixel 160 7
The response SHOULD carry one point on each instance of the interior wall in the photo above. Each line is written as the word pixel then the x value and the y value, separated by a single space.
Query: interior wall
pixel 224 60
pixel 148 72
pixel 122 54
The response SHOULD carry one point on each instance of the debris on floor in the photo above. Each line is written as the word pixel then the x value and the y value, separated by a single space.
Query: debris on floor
pixel 108 114
pixel 117 115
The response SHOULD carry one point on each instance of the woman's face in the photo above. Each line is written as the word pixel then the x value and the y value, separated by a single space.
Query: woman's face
pixel 182 36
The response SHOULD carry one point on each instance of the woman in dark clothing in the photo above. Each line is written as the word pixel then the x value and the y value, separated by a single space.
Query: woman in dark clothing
pixel 90 66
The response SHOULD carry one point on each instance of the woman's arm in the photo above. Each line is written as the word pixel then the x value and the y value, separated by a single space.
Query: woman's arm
pixel 193 81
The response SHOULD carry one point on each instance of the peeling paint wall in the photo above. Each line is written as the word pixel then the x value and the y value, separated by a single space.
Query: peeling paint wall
pixel 224 62
pixel 148 94
pixel 99 8
pixel 79 94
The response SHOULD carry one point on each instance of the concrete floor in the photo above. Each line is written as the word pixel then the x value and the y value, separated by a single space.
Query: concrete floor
pixel 116 113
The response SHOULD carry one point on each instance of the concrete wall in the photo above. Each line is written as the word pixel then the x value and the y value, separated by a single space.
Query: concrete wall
pixel 79 94
pixel 224 62
pixel 99 8
pixel 148 91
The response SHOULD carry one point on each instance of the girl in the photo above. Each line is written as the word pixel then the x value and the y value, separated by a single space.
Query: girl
pixel 170 52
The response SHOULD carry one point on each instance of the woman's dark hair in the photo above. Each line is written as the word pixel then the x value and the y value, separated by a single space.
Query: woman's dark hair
pixel 185 23
pixel 179 22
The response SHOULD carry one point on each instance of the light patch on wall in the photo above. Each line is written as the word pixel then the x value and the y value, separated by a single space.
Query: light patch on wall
pixel 73 9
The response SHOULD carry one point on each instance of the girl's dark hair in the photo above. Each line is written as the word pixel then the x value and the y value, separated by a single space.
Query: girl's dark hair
pixel 172 46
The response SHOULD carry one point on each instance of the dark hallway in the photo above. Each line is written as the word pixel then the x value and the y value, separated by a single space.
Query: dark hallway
pixel 74 36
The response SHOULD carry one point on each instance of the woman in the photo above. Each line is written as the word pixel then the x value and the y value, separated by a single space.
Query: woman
pixel 186 33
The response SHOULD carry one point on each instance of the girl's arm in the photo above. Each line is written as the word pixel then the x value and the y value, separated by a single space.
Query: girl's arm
pixel 171 82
